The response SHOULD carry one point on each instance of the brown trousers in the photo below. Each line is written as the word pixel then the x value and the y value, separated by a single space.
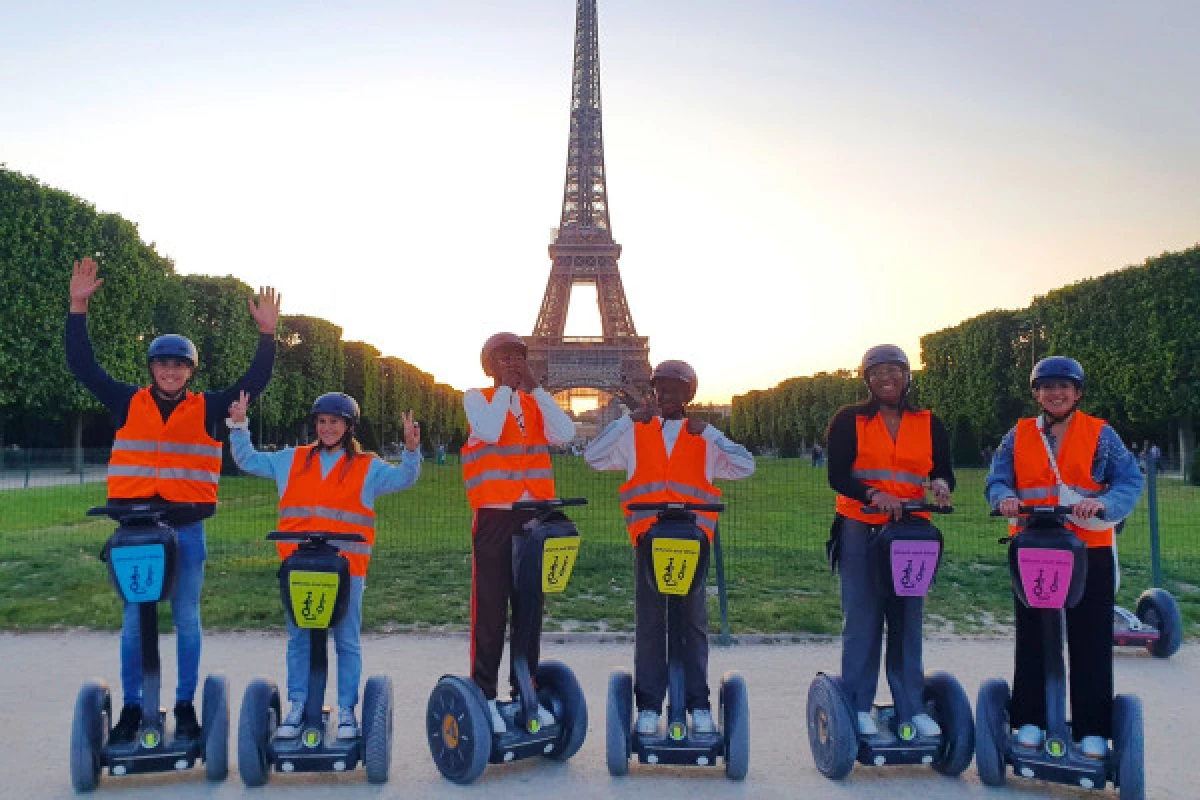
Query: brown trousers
pixel 491 593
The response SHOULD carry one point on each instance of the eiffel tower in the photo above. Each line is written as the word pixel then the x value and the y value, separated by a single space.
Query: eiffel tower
pixel 583 252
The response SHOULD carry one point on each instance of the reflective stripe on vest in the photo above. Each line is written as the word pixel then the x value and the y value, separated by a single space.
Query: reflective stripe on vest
pixel 661 478
pixel 897 466
pixel 502 472
pixel 1035 479
pixel 174 459
pixel 333 504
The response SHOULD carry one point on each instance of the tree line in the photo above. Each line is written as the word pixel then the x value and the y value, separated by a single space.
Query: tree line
pixel 43 230
pixel 1136 331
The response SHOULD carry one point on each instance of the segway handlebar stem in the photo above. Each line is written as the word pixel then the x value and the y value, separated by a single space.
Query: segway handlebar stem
pixel 314 536
pixel 548 505
pixel 672 506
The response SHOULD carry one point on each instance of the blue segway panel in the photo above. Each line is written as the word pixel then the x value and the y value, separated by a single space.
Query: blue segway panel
pixel 1048 567
pixel 141 562
pixel 909 553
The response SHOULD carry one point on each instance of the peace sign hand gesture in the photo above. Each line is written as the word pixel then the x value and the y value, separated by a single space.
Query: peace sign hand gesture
pixel 412 431
pixel 84 284
pixel 237 409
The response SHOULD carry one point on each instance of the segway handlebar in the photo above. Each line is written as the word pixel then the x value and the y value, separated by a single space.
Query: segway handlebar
pixel 124 511
pixel 314 536
pixel 674 506
pixel 1044 511
pixel 548 505
pixel 910 507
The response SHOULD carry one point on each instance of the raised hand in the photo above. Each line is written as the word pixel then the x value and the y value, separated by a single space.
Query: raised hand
pixel 696 426
pixel 648 411
pixel 266 310
pixel 412 432
pixel 84 283
pixel 237 409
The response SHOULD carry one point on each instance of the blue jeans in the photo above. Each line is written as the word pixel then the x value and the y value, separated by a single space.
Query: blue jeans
pixel 345 641
pixel 185 609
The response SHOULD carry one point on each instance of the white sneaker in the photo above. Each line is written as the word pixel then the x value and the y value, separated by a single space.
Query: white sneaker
pixel 702 721
pixel 498 725
pixel 647 722
pixel 866 724
pixel 926 726
pixel 347 724
pixel 290 727
pixel 1030 736
pixel 1094 746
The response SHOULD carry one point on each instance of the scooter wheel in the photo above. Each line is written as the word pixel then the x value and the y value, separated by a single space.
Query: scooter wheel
pixel 89 729
pixel 831 730
pixel 214 727
pixel 255 726
pixel 992 732
pixel 1129 745
pixel 947 703
pixel 619 722
pixel 459 729
pixel 558 690
pixel 377 728
pixel 1156 607
pixel 735 725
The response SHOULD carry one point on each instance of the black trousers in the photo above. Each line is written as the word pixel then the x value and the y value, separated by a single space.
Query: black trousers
pixel 1089 650
pixel 650 638
pixel 491 594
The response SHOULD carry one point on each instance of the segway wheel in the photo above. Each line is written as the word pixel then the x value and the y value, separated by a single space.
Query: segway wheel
pixel 89 730
pixel 947 703
pixel 377 728
pixel 734 706
pixel 1129 744
pixel 459 729
pixel 992 732
pixel 619 722
pixel 831 730
pixel 1158 608
pixel 558 690
pixel 258 720
pixel 214 726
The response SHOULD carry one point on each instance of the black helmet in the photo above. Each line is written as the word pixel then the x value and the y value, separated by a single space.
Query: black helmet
pixel 338 404
pixel 680 371
pixel 883 354
pixel 172 345
pixel 494 343
pixel 1057 368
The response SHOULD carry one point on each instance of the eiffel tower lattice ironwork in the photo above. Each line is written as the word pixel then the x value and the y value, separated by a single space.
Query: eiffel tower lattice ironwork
pixel 583 251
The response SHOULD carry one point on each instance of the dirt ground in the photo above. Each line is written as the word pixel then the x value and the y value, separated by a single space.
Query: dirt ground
pixel 43 672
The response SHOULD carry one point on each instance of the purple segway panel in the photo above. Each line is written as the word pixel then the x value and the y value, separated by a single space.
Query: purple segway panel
pixel 1045 576
pixel 914 562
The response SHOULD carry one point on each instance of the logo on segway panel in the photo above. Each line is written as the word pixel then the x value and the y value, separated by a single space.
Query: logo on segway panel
pixel 1056 747
pixel 151 738
pixel 450 731
pixel 906 731
pixel 558 559
pixel 313 595
pixel 677 731
pixel 675 564
pixel 311 737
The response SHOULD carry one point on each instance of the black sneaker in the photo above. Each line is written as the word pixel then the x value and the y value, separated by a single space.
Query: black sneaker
pixel 186 726
pixel 127 726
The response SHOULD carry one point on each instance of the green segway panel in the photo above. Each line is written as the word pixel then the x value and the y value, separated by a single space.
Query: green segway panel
pixel 315 586
pixel 141 562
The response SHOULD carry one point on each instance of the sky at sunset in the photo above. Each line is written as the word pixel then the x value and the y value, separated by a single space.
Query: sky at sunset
pixel 791 181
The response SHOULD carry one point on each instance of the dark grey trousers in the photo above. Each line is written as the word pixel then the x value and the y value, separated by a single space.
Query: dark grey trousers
pixel 650 640
pixel 866 605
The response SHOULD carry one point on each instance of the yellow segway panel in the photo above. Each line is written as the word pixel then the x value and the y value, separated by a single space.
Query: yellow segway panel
pixel 558 559
pixel 314 595
pixel 675 564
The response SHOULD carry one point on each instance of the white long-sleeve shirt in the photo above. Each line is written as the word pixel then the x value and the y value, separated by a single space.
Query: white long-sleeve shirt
pixel 615 448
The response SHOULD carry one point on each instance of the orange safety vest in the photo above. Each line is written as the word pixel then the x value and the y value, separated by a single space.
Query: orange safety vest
pixel 332 504
pixel 1036 484
pixel 661 478
pixel 517 463
pixel 897 466
pixel 176 460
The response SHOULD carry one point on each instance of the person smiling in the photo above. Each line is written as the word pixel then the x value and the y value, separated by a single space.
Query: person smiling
pixel 1066 457
pixel 882 453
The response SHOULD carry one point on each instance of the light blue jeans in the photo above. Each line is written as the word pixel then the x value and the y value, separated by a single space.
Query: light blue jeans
pixel 346 640
pixel 185 609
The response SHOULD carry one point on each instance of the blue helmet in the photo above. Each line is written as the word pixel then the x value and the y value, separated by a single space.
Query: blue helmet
pixel 338 404
pixel 1057 368
pixel 885 354
pixel 172 345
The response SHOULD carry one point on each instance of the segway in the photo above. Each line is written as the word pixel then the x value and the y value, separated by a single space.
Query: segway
pixel 679 557
pixel 908 553
pixel 314 582
pixel 1048 565
pixel 141 567
pixel 1155 623
pixel 457 718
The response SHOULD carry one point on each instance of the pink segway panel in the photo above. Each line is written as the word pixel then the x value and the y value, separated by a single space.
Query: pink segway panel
pixel 913 565
pixel 1045 576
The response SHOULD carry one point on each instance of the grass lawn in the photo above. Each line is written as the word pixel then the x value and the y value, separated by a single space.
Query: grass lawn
pixel 773 533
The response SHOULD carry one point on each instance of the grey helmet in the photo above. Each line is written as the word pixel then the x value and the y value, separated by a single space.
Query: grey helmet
pixel 885 354
pixel 494 343
pixel 679 370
